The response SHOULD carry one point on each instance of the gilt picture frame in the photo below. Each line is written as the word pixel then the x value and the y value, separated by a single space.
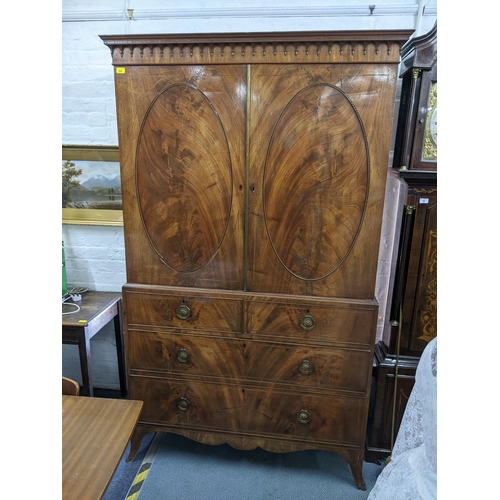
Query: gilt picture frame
pixel 91 187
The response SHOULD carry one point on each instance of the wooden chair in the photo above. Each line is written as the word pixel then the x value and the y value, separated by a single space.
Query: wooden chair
pixel 70 387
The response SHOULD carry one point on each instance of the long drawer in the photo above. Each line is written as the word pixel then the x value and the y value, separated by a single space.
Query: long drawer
pixel 203 355
pixel 246 409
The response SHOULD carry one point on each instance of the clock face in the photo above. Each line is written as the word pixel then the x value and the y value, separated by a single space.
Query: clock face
pixel 429 150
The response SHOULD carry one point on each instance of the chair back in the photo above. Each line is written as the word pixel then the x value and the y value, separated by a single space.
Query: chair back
pixel 70 387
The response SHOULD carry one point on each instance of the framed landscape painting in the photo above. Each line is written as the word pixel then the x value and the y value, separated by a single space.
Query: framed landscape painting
pixel 91 187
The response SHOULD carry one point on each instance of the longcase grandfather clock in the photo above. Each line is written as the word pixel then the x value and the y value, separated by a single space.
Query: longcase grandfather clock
pixel 253 171
pixel 413 307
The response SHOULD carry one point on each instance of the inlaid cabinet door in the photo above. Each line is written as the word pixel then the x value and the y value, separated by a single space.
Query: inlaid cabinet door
pixel 182 143
pixel 318 166
pixel 419 315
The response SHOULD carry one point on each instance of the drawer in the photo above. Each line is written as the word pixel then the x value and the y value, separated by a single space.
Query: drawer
pixel 183 311
pixel 313 322
pixel 299 366
pixel 251 410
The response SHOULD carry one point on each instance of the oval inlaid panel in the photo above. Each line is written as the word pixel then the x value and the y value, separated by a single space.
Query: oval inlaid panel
pixel 184 178
pixel 316 179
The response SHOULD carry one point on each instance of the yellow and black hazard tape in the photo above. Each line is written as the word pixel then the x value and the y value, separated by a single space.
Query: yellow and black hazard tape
pixel 145 467
pixel 139 479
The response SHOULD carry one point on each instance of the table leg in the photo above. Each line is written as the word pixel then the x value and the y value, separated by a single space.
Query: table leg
pixel 84 351
pixel 120 351
pixel 140 432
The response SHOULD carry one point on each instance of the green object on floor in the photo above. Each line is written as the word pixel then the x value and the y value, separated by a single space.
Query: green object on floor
pixel 64 277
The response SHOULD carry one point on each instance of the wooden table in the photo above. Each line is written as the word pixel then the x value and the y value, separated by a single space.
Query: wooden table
pixel 96 310
pixel 95 434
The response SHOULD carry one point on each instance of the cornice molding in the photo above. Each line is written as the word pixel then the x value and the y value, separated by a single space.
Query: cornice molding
pixel 249 13
pixel 363 46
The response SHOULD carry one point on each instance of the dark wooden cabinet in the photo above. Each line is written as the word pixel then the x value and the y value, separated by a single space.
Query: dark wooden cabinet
pixel 416 137
pixel 413 306
pixel 253 172
pixel 391 389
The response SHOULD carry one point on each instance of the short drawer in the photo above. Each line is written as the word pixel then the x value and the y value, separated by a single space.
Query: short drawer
pixel 313 322
pixel 247 409
pixel 183 311
pixel 240 359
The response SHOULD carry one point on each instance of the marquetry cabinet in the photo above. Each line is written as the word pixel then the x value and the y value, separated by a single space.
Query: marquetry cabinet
pixel 253 170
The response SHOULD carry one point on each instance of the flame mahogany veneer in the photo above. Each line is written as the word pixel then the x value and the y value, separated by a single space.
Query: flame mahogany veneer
pixel 253 171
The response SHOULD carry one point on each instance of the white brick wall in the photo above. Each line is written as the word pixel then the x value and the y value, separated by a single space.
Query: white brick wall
pixel 95 254
pixel 95 257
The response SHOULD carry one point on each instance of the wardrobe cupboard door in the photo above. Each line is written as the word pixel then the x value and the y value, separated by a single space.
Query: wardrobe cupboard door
pixel 318 165
pixel 182 144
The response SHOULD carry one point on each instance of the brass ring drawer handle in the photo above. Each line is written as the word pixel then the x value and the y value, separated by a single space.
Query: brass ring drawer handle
pixel 303 416
pixel 183 404
pixel 306 367
pixel 183 312
pixel 307 322
pixel 183 355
